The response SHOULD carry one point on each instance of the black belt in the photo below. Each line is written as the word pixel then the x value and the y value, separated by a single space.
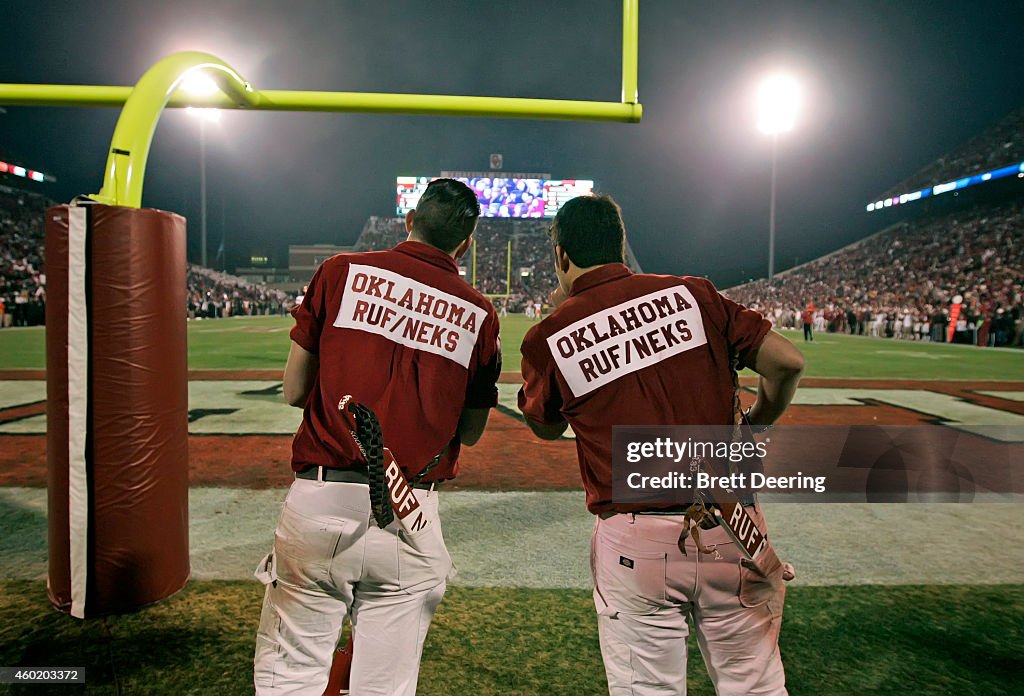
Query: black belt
pixel 323 473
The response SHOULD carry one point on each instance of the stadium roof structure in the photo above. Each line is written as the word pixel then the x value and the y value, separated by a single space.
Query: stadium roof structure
pixel 160 87
pixel 996 153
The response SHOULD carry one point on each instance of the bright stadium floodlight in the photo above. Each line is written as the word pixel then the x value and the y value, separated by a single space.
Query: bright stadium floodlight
pixel 199 84
pixel 778 100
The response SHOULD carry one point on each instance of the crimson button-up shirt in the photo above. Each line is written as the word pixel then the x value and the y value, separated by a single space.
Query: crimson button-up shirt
pixel 402 333
pixel 634 349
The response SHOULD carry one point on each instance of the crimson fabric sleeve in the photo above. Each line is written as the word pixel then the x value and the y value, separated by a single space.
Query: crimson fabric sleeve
pixel 482 390
pixel 744 328
pixel 310 314
pixel 539 398
pixel 117 408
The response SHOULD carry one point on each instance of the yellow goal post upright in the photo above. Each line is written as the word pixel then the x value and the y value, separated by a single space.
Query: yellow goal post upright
pixel 159 88
pixel 508 273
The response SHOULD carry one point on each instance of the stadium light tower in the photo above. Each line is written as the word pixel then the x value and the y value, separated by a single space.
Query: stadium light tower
pixel 201 85
pixel 778 100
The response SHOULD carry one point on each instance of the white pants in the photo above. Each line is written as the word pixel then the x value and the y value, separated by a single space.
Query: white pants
pixel 645 590
pixel 329 559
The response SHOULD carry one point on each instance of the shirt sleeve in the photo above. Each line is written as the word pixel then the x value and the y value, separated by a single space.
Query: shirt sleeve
pixel 745 329
pixel 539 397
pixel 482 390
pixel 311 313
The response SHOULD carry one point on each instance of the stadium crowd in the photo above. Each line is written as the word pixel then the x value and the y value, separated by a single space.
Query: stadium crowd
pixel 22 280
pixel 210 294
pixel 213 295
pixel 902 282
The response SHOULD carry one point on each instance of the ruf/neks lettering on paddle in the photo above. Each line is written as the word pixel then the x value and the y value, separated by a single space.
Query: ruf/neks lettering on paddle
pixel 625 338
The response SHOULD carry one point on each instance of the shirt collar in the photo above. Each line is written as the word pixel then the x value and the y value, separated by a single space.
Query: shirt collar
pixel 430 254
pixel 599 276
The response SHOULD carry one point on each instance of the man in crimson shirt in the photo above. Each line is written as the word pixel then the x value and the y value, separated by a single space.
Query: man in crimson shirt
pixel 685 342
pixel 807 318
pixel 401 333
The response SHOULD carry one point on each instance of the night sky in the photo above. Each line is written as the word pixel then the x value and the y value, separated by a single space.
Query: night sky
pixel 889 87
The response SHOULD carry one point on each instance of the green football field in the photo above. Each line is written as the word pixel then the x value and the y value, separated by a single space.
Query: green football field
pixel 262 343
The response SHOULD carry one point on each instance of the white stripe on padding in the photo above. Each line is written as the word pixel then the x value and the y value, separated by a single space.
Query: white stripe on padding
pixel 78 400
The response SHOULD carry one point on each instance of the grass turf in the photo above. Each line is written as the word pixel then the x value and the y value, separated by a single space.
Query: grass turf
pixel 835 640
pixel 262 342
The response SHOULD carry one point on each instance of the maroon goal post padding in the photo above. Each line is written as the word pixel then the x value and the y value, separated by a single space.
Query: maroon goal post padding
pixel 117 407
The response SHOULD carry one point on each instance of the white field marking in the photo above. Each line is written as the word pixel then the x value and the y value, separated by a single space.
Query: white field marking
pixel 254 414
pixel 913 354
pixel 251 414
pixel 21 392
pixel 953 411
pixel 542 539
pixel 33 425
pixel 508 396
pixel 1008 395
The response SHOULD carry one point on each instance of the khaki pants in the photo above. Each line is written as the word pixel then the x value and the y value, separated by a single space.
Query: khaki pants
pixel 648 594
pixel 329 559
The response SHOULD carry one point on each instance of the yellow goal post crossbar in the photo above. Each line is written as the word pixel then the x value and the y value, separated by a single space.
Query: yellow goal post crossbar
pixel 158 89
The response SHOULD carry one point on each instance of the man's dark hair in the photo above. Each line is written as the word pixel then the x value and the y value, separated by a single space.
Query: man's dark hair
pixel 446 214
pixel 590 230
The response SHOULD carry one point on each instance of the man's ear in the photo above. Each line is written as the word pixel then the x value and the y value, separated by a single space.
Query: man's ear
pixel 462 248
pixel 563 259
pixel 408 221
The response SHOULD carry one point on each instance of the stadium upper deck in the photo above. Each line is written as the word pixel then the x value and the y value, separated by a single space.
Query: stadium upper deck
pixel 903 280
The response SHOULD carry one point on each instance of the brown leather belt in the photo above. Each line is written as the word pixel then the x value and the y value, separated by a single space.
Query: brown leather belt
pixel 324 473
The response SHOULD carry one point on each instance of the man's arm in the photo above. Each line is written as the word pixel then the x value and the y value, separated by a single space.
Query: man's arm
pixel 780 365
pixel 546 431
pixel 471 425
pixel 299 375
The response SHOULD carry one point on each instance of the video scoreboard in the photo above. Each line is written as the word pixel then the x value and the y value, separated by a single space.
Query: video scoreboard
pixel 510 197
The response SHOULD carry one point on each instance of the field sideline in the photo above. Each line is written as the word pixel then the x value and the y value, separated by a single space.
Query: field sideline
pixel 262 343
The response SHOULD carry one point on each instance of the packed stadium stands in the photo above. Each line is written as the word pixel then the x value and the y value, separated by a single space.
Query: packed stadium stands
pixel 23 280
pixel 213 295
pixel 901 282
